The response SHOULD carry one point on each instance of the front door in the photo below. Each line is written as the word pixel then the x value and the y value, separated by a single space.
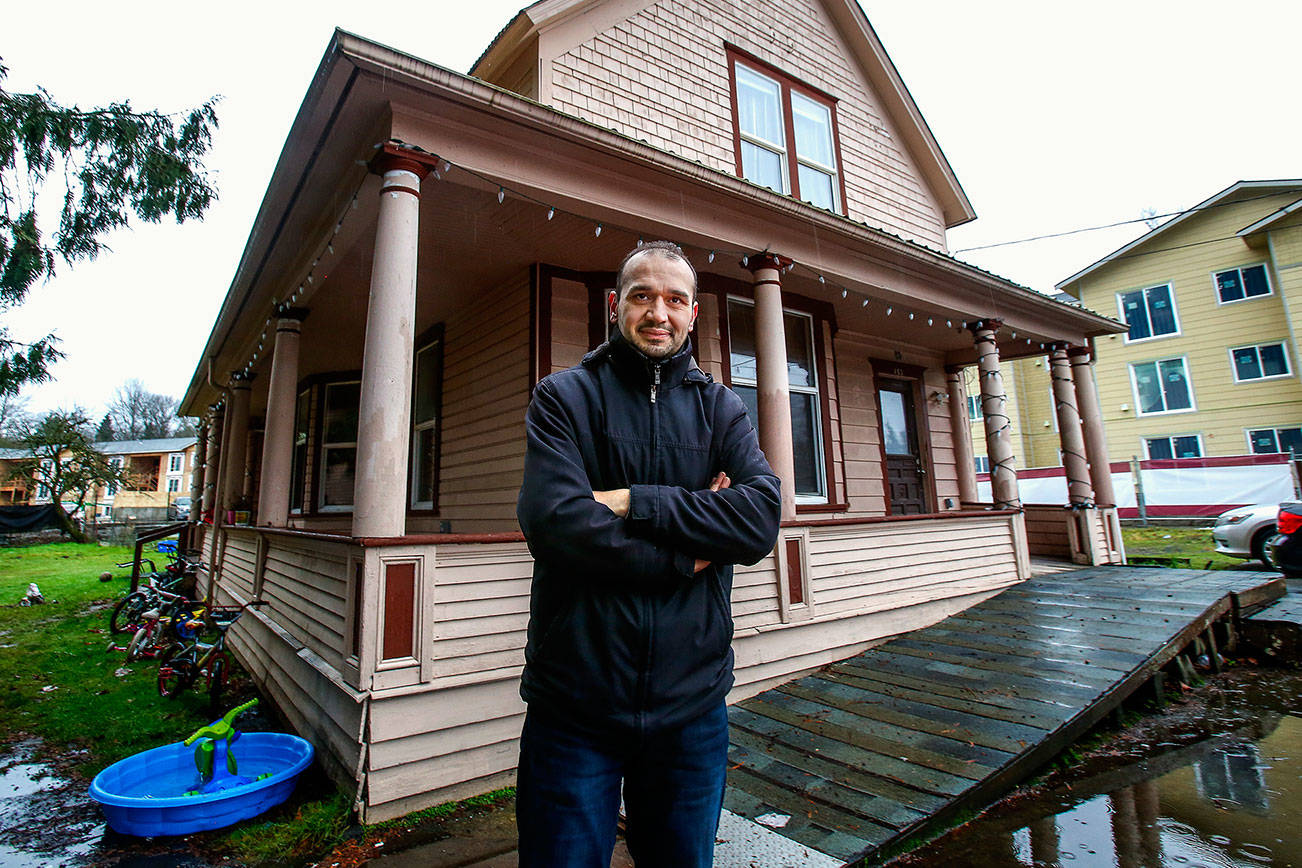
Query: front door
pixel 906 491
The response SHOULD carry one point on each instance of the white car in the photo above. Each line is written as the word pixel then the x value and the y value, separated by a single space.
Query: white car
pixel 1243 532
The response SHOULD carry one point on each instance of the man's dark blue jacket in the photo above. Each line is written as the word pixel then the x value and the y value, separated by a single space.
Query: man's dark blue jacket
pixel 624 639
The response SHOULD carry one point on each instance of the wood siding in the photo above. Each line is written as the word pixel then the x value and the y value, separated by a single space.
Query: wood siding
pixel 485 394
pixel 1046 531
pixel 662 75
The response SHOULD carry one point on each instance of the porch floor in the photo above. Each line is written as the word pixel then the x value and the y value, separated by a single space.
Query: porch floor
pixel 904 736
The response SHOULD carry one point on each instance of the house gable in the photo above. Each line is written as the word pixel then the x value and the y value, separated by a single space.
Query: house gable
pixel 660 72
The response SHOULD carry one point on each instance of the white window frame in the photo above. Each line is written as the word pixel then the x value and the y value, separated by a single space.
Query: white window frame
pixel 413 464
pixel 1274 430
pixel 1175 313
pixel 974 414
pixel 1143 442
pixel 1134 387
pixel 1234 368
pixel 1216 289
pixel 327 446
pixel 981 463
pixel 173 484
pixel 176 462
pixel 779 148
pixel 820 447
pixel 111 490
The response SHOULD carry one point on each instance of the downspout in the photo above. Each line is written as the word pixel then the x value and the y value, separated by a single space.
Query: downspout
pixel 1283 299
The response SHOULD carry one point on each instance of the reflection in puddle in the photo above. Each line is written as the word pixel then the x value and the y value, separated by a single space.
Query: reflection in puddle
pixel 44 819
pixel 1232 800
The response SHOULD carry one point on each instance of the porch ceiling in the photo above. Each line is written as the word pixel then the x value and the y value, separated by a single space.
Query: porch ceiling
pixel 364 94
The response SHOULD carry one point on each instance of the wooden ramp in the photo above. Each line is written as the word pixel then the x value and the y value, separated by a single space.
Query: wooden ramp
pixel 908 734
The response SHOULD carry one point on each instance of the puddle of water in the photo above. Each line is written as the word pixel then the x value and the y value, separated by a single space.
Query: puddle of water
pixel 45 820
pixel 1233 800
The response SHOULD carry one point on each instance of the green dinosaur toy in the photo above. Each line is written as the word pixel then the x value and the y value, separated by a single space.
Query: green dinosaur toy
pixel 221 730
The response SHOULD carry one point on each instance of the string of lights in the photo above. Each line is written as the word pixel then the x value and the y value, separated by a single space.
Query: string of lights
pixel 441 168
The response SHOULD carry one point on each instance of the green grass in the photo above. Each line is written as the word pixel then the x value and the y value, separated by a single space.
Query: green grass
pixel 1193 543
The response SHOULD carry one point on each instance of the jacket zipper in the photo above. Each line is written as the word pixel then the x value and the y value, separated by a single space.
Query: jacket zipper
pixel 648 611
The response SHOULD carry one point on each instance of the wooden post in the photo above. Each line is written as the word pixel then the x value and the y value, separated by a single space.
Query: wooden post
pixel 994 407
pixel 771 377
pixel 961 435
pixel 278 436
pixel 384 411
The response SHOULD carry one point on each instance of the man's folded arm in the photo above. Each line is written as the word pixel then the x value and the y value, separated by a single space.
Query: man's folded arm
pixel 736 525
pixel 562 521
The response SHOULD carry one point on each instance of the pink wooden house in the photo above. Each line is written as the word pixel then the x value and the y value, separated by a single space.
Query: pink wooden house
pixel 433 243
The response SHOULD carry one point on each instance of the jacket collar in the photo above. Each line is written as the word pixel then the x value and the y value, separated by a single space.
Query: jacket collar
pixel 626 358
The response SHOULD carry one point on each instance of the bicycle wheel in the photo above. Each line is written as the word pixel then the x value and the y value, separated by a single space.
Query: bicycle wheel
pixel 216 679
pixel 176 670
pixel 126 614
pixel 139 642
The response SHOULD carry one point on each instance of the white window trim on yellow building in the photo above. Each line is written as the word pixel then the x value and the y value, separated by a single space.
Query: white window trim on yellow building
pixel 1188 379
pixel 1234 365
pixel 1274 430
pixel 1147 439
pixel 1175 312
pixel 1265 271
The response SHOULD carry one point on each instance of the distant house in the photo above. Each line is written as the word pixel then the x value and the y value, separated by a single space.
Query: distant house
pixel 1212 298
pixel 431 244
pixel 157 471
pixel 14 491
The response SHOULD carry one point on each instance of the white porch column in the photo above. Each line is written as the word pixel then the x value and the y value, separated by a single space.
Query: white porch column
pixel 771 378
pixel 1074 464
pixel 197 471
pixel 962 436
pixel 994 406
pixel 384 413
pixel 1096 441
pixel 237 439
pixel 278 435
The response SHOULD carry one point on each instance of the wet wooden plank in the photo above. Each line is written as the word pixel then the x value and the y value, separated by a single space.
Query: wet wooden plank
pixel 1049 652
pixel 974 690
pixel 794 804
pixel 1051 674
pixel 1039 718
pixel 1030 686
pixel 866 770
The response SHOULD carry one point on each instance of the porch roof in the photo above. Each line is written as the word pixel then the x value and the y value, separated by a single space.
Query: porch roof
pixel 365 94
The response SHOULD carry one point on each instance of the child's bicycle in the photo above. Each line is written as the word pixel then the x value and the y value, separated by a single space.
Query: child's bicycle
pixel 161 588
pixel 161 626
pixel 183 663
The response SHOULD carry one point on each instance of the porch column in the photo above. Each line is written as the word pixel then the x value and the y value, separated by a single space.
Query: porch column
pixel 1074 464
pixel 237 439
pixel 197 471
pixel 278 434
pixel 771 378
pixel 962 435
pixel 384 413
pixel 212 464
pixel 1091 417
pixel 994 406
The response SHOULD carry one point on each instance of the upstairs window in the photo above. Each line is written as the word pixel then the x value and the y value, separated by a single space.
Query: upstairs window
pixel 1150 312
pixel 175 463
pixel 1238 284
pixel 786 136
pixel 1162 386
pixel 1259 362
pixel 974 413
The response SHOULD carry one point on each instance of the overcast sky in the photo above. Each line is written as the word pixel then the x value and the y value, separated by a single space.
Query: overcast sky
pixel 1054 116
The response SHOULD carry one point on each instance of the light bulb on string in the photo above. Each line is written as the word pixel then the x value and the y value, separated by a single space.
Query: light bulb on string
pixel 889 309
pixel 865 303
pixel 910 315
pixel 501 194
pixel 551 212
pixel 710 258
pixel 745 262
pixel 822 279
pixel 447 167
pixel 597 232
pixel 844 292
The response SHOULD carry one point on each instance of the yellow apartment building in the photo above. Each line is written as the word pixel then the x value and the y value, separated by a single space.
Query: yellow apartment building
pixel 1209 365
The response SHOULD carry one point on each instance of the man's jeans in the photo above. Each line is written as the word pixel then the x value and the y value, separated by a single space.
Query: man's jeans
pixel 567 795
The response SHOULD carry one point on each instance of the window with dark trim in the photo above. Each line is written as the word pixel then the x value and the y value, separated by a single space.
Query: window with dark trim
pixel 785 133
pixel 1150 312
pixel 426 415
pixel 338 464
pixel 805 383
pixel 298 471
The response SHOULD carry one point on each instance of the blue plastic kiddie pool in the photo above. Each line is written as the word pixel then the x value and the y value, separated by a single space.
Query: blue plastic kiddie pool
pixel 162 792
